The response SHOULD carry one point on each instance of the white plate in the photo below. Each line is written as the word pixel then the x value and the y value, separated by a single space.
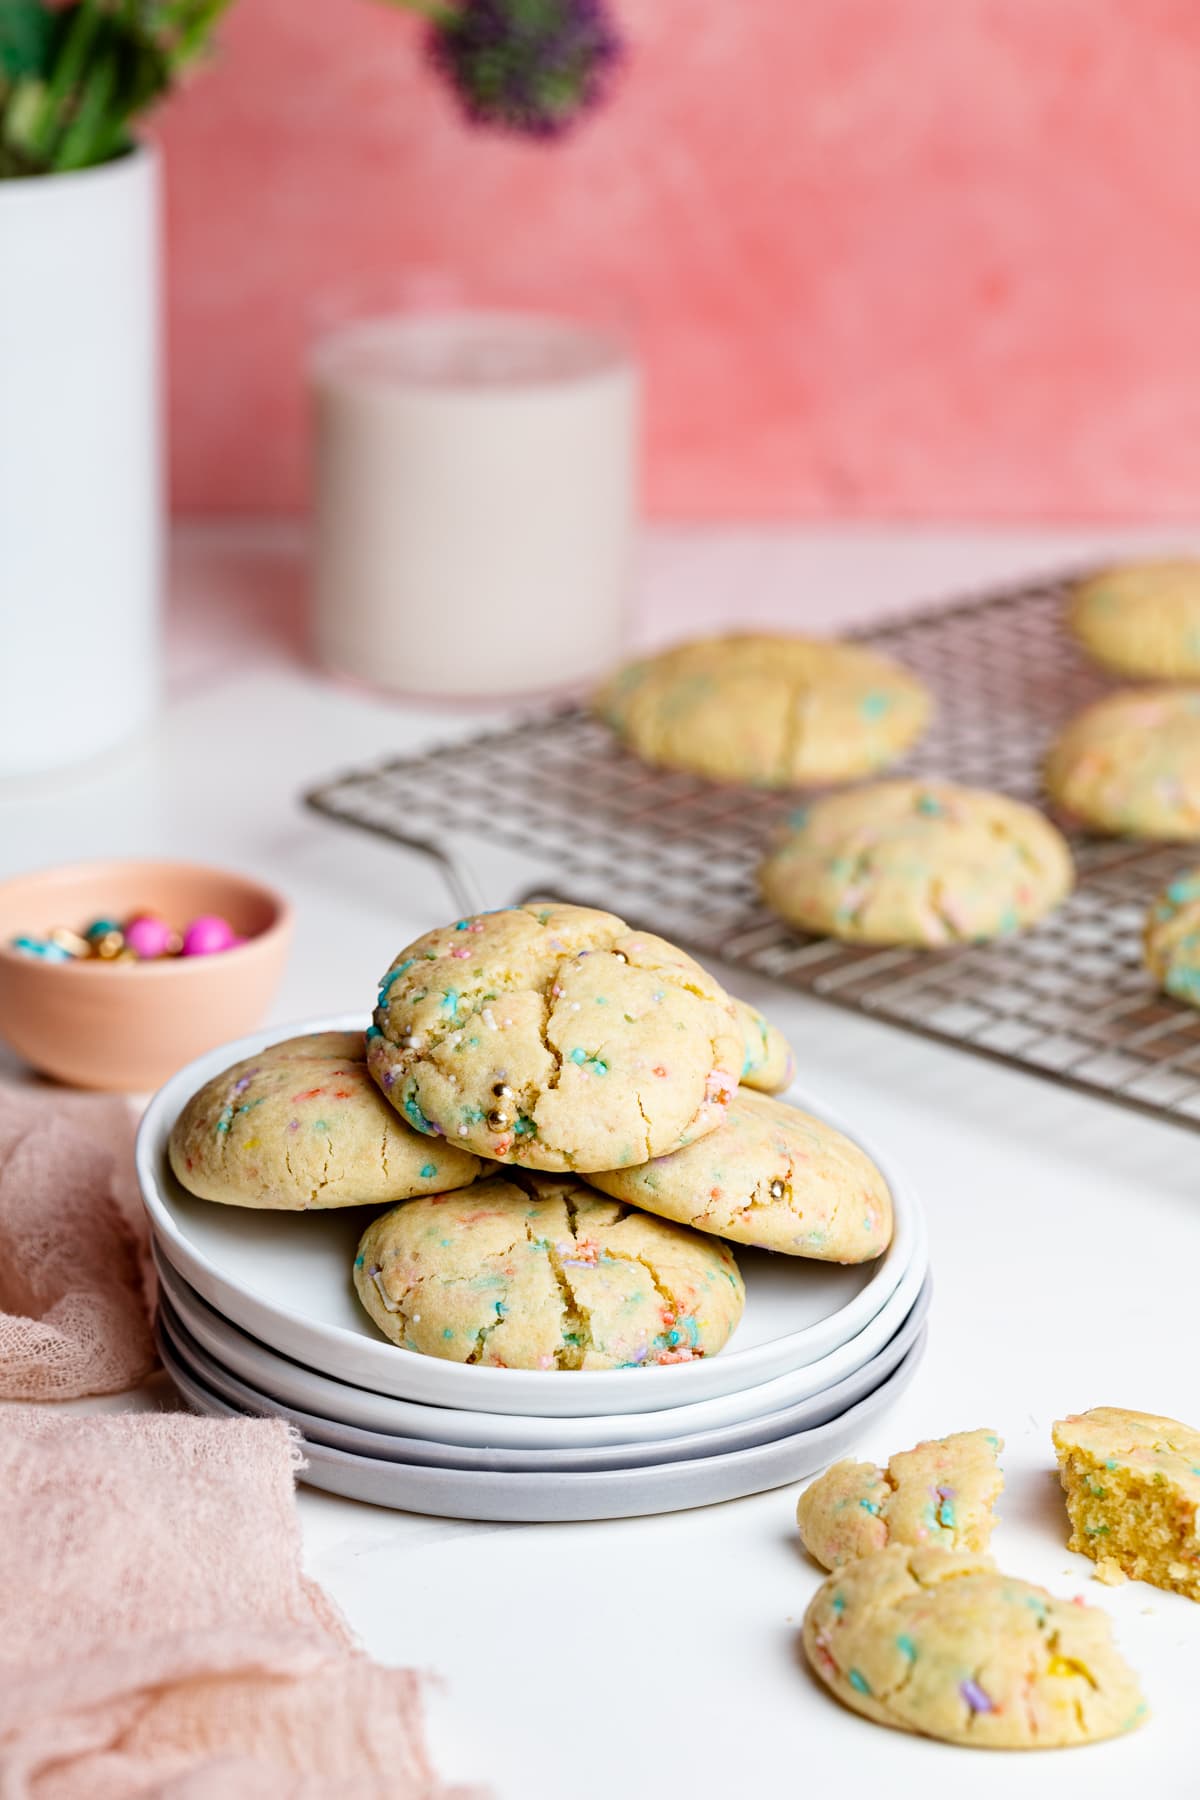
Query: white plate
pixel 741 1435
pixel 307 1391
pixel 596 1494
pixel 285 1277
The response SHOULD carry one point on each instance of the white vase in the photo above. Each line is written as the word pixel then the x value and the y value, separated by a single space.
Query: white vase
pixel 80 461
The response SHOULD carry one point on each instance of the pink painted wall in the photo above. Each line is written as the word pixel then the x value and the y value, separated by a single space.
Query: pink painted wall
pixel 925 258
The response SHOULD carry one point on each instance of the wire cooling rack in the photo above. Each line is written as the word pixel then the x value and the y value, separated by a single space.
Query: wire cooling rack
pixel 1068 1000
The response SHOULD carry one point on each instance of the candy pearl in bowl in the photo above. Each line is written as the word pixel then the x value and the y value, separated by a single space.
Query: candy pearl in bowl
pixel 127 1025
pixel 208 936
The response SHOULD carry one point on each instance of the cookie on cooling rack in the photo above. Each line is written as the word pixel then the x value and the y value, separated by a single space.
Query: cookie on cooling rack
pixel 555 1037
pixel 528 1271
pixel 768 711
pixel 1130 764
pixel 917 862
pixel 772 1176
pixel 1171 940
pixel 1142 618
pixel 940 1642
pixel 302 1125
pixel 941 1495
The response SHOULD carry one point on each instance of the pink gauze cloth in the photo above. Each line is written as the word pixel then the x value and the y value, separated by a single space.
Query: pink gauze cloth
pixel 159 1640
pixel 74 1266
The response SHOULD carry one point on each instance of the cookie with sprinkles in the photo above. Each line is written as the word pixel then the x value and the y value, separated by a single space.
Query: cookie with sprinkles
pixel 1143 618
pixel 302 1126
pixel 1129 766
pixel 917 862
pixel 941 1494
pixel 769 711
pixel 767 1062
pixel 527 1271
pixel 1132 1483
pixel 1171 940
pixel 773 1176
pixel 940 1642
pixel 556 1038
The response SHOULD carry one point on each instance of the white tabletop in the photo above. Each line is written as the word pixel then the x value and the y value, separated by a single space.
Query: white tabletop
pixel 660 1655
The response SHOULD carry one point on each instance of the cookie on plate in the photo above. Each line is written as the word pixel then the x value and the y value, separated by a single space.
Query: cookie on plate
pixel 1132 1482
pixel 528 1271
pixel 917 862
pixel 302 1125
pixel 1130 764
pixel 771 711
pixel 773 1176
pixel 940 1642
pixel 768 1063
pixel 940 1494
pixel 555 1037
pixel 1142 618
pixel 1171 940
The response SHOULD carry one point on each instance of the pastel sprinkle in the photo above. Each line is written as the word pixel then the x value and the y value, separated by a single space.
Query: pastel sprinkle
pixel 447 1333
pixel 320 1125
pixel 869 1506
pixel 859 1682
pixel 428 1170
pixel 975 1697
pixel 906 1647
pixel 838 1604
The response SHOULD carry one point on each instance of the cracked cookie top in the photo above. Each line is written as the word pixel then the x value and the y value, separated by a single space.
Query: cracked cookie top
pixel 1130 764
pixel 940 1494
pixel 917 862
pixel 940 1642
pixel 556 1038
pixel 302 1125
pixel 528 1271
pixel 773 711
pixel 772 1176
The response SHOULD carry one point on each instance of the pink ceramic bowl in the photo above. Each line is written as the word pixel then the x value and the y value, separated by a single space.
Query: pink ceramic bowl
pixel 129 1026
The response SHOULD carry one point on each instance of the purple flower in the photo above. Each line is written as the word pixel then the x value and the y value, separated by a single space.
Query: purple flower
pixel 530 66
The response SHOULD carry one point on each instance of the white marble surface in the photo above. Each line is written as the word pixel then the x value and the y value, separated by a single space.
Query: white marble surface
pixel 661 1655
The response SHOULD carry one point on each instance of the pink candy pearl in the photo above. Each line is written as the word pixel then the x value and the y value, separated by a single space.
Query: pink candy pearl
pixel 208 934
pixel 148 937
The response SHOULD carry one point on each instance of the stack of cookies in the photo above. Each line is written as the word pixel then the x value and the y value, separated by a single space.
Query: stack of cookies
pixel 545 1185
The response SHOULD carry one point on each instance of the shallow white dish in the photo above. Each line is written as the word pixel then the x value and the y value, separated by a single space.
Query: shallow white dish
pixel 594 1494
pixel 718 1440
pixel 308 1391
pixel 285 1278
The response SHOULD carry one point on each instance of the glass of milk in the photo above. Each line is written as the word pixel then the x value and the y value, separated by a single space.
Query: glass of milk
pixel 475 502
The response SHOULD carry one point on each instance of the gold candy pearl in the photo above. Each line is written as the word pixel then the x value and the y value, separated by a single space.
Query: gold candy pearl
pixel 620 956
pixel 499 1121
pixel 502 1091
pixel 777 1190
pixel 110 946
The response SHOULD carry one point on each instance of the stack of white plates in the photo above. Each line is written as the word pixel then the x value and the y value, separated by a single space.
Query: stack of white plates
pixel 258 1315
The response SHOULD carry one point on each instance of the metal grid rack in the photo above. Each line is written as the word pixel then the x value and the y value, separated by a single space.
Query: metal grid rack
pixel 1068 1000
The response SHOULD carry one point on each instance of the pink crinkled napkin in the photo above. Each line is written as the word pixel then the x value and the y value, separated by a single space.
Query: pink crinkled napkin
pixel 73 1264
pixel 159 1640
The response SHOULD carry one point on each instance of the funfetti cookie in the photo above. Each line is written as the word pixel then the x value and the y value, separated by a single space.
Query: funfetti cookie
pixel 1130 764
pixel 773 1176
pixel 767 1064
pixel 556 1038
pixel 302 1125
pixel 770 711
pixel 1171 939
pixel 940 1495
pixel 1142 619
pixel 1132 1482
pixel 527 1271
pixel 940 1642
pixel 917 862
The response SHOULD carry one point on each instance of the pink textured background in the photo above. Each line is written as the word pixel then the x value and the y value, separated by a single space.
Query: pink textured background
pixel 896 257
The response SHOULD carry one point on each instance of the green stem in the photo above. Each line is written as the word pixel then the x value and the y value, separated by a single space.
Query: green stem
pixel 64 77
pixel 91 125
